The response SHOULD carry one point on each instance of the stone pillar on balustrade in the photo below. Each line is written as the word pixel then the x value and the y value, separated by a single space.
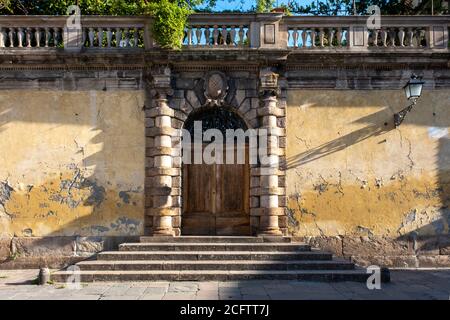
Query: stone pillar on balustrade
pixel 271 136
pixel 163 207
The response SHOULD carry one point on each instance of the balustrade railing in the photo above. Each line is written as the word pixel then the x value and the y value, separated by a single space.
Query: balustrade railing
pixel 355 33
pixel 26 32
pixel 225 31
pixel 221 30
pixel 115 32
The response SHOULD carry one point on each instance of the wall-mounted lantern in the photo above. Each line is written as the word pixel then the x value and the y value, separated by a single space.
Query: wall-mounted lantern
pixel 413 90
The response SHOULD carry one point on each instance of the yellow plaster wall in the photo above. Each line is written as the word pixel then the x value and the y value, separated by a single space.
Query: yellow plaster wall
pixel 350 172
pixel 71 163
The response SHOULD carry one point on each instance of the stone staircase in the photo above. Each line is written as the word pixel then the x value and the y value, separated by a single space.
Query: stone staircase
pixel 192 258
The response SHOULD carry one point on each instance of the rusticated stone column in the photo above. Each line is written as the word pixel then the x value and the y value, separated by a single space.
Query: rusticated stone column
pixel 270 210
pixel 163 204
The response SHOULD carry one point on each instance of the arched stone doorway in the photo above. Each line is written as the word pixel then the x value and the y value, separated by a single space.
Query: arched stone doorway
pixel 216 196
pixel 172 105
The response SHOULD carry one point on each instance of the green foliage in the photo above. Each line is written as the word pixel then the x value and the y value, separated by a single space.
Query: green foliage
pixel 169 22
pixel 264 5
pixel 170 15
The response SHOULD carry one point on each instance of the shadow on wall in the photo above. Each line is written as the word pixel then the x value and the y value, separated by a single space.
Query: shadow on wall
pixel 433 238
pixel 88 182
pixel 428 235
pixel 346 141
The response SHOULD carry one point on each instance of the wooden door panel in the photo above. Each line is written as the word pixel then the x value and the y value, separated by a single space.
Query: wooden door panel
pixel 216 199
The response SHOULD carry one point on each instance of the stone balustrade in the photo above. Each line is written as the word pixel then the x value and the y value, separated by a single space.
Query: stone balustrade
pixel 355 33
pixel 239 31
pixel 225 30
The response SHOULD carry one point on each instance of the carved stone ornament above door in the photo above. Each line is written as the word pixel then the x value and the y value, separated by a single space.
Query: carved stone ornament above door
pixel 216 88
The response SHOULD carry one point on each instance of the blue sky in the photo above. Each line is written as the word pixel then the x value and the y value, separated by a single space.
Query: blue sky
pixel 245 5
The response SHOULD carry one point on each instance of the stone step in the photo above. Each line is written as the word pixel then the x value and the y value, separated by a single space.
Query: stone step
pixel 213 239
pixel 217 275
pixel 277 247
pixel 212 255
pixel 238 265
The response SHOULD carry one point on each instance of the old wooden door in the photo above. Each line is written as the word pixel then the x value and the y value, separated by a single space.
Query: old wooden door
pixel 216 198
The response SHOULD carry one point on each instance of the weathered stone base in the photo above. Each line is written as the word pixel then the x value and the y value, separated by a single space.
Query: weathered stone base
pixel 387 252
pixel 59 252
pixel 54 252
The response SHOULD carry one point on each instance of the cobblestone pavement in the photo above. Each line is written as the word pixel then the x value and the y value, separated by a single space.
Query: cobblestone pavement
pixel 405 284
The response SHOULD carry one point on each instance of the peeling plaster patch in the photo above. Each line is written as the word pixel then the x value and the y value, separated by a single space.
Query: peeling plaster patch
pixel 100 229
pixel 97 193
pixel 5 195
pixel 126 225
pixel 437 133
pixel 124 196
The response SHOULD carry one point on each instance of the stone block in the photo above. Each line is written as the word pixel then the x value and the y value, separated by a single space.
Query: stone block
pixel 86 246
pixel 376 246
pixel 330 244
pixel 398 261
pixel 434 261
pixel 5 248
pixel 42 246
pixel 444 244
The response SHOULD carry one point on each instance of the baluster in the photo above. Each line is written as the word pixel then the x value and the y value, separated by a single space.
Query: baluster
pixel 108 37
pixel 37 36
pixel 91 37
pixel 56 37
pixel 384 37
pixel 313 37
pixel 331 36
pixel 100 37
pixel 375 37
pixel 136 37
pixel 47 36
pixel 127 37
pixel 207 36
pixel 11 37
pixel 83 37
pixel 419 37
pixel 2 37
pixel 241 35
pixel 189 36
pixel 304 36
pixel 339 36
pixel 224 35
pixel 401 36
pixel 321 37
pixel 392 35
pixel 410 36
pixel 198 35
pixel 20 37
pixel 427 37
pixel 295 37
pixel 215 34
pixel 28 37
pixel 118 37
pixel 233 36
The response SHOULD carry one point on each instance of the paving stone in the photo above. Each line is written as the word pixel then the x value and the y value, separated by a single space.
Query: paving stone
pixel 155 290
pixel 154 296
pixel 121 297
pixel 208 295
pixel 118 290
pixel 179 296
pixel 183 287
